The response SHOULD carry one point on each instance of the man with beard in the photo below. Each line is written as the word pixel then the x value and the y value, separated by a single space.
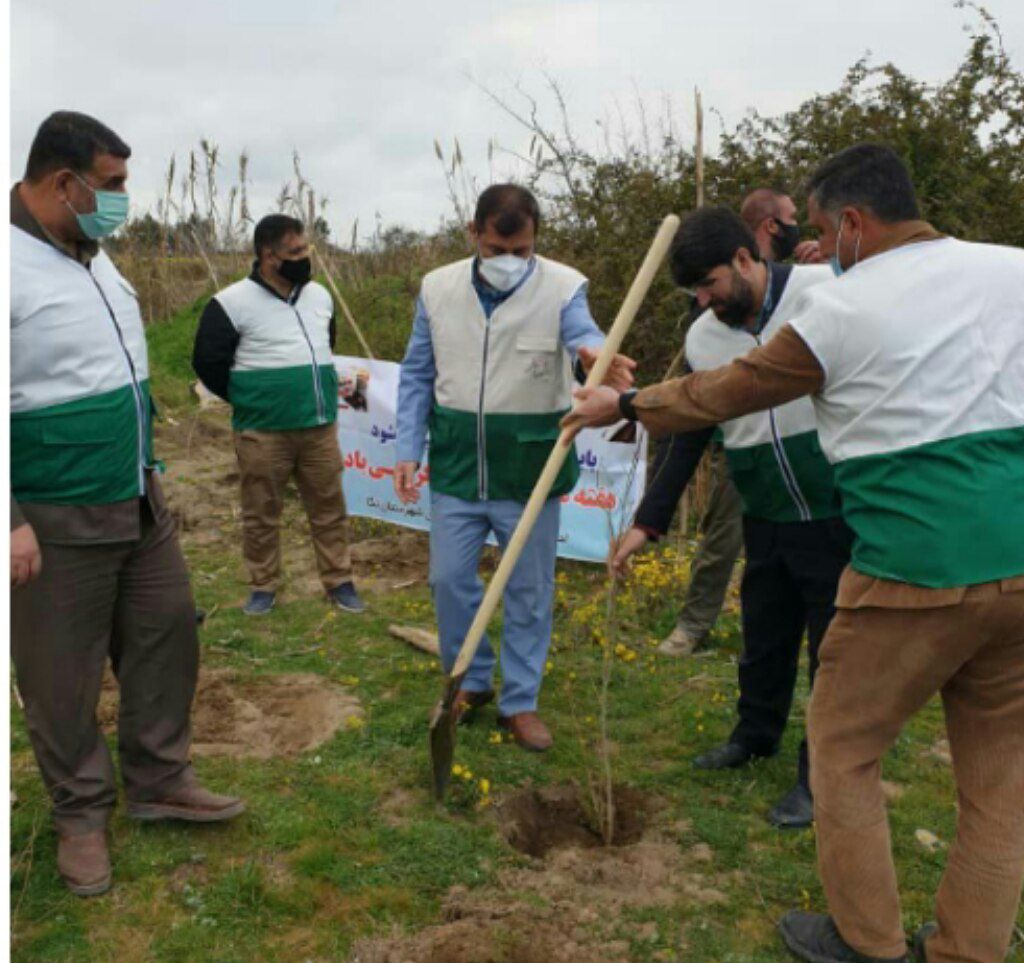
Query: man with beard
pixel 914 360
pixel 265 346
pixel 771 217
pixel 796 542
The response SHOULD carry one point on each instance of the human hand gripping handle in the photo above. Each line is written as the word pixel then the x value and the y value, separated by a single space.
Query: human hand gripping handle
pixel 609 350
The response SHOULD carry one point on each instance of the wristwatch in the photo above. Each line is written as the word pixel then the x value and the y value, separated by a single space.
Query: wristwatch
pixel 626 404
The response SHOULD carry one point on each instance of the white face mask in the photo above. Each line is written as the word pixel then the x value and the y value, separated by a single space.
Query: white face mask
pixel 503 272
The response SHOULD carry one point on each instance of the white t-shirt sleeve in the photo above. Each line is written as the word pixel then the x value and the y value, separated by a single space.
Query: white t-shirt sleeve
pixel 820 322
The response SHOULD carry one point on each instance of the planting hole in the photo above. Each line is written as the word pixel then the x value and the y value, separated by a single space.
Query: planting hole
pixel 538 821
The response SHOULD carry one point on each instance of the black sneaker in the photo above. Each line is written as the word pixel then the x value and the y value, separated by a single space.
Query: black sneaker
pixel 345 597
pixel 731 755
pixel 795 810
pixel 814 937
pixel 259 603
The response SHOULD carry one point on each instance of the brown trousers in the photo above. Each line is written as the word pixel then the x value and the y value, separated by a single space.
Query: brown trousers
pixel 879 666
pixel 130 601
pixel 266 461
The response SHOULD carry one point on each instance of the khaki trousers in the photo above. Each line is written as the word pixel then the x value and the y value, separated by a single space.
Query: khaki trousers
pixel 879 666
pixel 720 546
pixel 266 461
pixel 131 602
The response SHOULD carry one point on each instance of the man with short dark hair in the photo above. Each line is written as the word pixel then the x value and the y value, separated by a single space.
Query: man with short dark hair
pixel 796 543
pixel 914 359
pixel 96 568
pixel 489 370
pixel 265 345
pixel 771 217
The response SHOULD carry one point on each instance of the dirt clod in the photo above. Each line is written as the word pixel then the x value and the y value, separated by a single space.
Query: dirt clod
pixel 256 717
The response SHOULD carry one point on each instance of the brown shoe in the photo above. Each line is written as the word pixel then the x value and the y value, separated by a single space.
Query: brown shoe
pixel 83 863
pixel 466 703
pixel 528 731
pixel 192 803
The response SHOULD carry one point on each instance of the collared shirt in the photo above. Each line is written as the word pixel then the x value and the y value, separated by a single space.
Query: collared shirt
pixel 81 524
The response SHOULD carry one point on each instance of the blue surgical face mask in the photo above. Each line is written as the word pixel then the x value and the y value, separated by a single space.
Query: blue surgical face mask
pixel 837 268
pixel 111 212
pixel 503 272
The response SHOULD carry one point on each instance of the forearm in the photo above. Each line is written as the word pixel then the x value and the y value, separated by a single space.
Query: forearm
pixel 769 376
pixel 675 462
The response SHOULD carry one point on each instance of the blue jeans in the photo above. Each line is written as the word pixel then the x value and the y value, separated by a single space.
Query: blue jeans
pixel 458 532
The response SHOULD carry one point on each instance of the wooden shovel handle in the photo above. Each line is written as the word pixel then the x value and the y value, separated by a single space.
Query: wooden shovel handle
pixel 634 297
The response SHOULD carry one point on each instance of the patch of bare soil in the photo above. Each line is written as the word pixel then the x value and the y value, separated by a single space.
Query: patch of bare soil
pixel 256 717
pixel 565 905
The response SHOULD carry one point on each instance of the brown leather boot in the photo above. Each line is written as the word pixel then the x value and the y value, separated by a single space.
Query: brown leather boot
pixel 191 803
pixel 466 703
pixel 528 731
pixel 83 863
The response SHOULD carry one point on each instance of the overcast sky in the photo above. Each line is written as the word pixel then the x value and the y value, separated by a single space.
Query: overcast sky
pixel 362 88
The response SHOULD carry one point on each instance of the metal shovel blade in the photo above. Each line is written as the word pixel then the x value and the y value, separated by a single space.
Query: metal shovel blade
pixel 442 737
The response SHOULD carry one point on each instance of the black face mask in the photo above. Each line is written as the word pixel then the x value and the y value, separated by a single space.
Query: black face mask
pixel 785 242
pixel 298 271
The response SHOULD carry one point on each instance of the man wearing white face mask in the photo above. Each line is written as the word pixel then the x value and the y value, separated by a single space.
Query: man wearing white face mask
pixel 488 369
pixel 96 569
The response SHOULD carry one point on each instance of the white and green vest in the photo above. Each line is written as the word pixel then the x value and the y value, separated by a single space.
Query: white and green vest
pixel 774 456
pixel 81 418
pixel 283 377
pixel 922 413
pixel 502 384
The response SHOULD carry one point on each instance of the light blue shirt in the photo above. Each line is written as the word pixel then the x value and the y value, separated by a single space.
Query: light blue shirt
pixel 577 329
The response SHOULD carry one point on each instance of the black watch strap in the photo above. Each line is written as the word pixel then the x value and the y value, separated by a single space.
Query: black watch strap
pixel 626 404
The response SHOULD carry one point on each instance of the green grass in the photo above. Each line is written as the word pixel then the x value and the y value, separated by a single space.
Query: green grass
pixel 319 860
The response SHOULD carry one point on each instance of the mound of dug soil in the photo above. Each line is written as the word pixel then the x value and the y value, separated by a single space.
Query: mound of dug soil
pixel 566 905
pixel 256 717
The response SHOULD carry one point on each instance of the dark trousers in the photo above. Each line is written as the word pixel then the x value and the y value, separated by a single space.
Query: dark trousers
pixel 789 589
pixel 130 602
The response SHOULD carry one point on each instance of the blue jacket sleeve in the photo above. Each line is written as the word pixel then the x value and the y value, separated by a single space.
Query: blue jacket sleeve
pixel 415 389
pixel 578 327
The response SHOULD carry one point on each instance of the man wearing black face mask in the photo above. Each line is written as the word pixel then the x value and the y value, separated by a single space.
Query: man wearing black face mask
pixel 771 217
pixel 265 346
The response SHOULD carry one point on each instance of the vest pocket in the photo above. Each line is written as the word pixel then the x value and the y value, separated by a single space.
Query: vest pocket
pixel 538 355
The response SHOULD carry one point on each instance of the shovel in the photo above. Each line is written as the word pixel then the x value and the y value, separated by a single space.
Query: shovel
pixel 443 719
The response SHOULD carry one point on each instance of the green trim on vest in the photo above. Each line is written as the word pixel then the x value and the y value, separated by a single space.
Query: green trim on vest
pixel 943 514
pixel 283 399
pixel 81 452
pixel 517 449
pixel 758 478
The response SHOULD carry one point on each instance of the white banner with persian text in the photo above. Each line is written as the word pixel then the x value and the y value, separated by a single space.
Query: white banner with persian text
pixel 612 473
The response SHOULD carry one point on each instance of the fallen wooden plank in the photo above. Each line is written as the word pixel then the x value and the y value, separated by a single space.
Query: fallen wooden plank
pixel 422 639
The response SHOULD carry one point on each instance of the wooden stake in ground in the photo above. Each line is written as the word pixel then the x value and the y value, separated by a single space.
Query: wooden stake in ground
pixel 443 721
pixel 326 272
